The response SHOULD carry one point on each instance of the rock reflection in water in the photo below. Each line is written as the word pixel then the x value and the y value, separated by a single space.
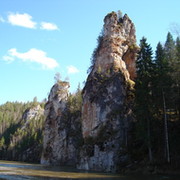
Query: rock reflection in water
pixel 19 171
pixel 16 170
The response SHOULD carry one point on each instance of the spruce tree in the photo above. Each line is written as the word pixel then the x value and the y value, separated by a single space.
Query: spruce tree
pixel 144 94
pixel 162 77
pixel 162 84
pixel 170 54
pixel 170 49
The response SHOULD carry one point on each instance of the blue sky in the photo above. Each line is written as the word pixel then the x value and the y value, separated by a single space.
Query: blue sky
pixel 39 38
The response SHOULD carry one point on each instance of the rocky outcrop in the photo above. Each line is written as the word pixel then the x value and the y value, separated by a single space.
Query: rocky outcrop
pixel 62 131
pixel 24 145
pixel 107 97
pixel 96 138
pixel 117 47
pixel 34 112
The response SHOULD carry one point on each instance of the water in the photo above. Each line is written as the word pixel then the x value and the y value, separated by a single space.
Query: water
pixel 10 170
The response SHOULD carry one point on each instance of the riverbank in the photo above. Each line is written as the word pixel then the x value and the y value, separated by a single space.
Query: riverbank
pixel 11 170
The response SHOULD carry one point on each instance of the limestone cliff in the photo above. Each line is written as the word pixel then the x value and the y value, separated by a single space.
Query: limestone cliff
pixel 97 137
pixel 107 101
pixel 32 113
pixel 62 130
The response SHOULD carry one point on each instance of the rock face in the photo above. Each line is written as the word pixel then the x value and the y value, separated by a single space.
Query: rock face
pixel 107 100
pixel 61 133
pixel 117 46
pixel 98 139
pixel 33 113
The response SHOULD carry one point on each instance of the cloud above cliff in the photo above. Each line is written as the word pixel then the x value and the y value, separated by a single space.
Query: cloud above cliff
pixel 72 70
pixel 33 55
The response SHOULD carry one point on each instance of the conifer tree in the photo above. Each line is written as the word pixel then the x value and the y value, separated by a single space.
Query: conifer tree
pixel 170 51
pixel 144 93
pixel 162 78
pixel 172 56
pixel 162 84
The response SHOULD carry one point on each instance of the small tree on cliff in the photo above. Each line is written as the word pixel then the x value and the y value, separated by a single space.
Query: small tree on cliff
pixel 96 51
pixel 144 95
pixel 57 77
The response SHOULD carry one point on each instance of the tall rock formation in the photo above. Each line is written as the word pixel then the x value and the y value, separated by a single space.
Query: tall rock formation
pixel 107 97
pixel 62 130
pixel 97 137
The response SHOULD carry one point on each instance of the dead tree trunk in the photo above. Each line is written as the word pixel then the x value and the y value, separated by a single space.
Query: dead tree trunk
pixel 149 140
pixel 167 156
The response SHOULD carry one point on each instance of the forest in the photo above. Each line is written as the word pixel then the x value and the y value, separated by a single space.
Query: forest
pixel 156 128
pixel 18 134
pixel 21 137
pixel 157 103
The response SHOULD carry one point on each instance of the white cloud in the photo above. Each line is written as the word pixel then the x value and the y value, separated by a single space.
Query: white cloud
pixel 24 20
pixel 33 55
pixel 48 26
pixel 2 19
pixel 72 70
pixel 8 59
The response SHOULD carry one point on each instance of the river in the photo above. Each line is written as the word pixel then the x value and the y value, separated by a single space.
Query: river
pixel 11 170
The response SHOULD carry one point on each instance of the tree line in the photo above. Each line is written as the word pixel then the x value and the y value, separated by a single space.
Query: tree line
pixel 157 102
pixel 17 135
pixel 22 139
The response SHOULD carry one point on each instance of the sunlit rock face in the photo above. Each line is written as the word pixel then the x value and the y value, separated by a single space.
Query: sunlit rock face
pixel 117 47
pixel 99 138
pixel 33 113
pixel 107 98
pixel 60 142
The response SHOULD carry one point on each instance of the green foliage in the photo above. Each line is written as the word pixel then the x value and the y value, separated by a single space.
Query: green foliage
pixel 35 102
pixel 96 51
pixel 144 93
pixel 75 102
pixel 144 78
pixel 17 135
pixel 170 49
pixel 156 97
